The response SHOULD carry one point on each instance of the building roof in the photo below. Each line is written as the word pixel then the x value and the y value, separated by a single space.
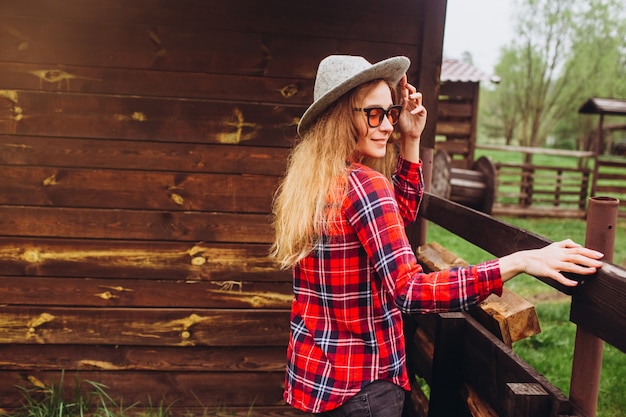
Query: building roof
pixel 597 105
pixel 453 70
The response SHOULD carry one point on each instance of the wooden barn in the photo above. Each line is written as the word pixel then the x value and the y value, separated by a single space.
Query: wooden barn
pixel 141 142
pixel 457 115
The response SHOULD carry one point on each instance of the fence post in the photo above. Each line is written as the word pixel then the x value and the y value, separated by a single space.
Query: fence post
pixel 447 368
pixel 587 362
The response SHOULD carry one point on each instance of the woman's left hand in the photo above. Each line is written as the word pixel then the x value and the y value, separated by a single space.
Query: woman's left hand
pixel 551 261
pixel 413 117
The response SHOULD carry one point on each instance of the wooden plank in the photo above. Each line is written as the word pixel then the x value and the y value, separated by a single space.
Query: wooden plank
pixel 117 117
pixel 325 16
pixel 453 146
pixel 451 109
pixel 114 293
pixel 69 358
pixel 170 84
pixel 532 168
pixel 431 22
pixel 420 348
pixel 184 48
pixel 527 399
pixel 509 317
pixel 598 306
pixel 490 365
pixel 541 151
pixel 611 163
pixel 134 224
pixel 141 155
pixel 446 380
pixel 141 190
pixel 144 327
pixel 454 128
pixel 609 189
pixel 199 389
pixel 476 405
pixel 130 260
pixel 515 210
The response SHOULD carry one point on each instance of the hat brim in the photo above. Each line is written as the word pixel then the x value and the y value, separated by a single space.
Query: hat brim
pixel 391 69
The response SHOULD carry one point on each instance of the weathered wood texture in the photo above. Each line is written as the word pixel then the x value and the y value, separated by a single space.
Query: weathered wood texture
pixel 140 144
pixel 456 121
pixel 472 373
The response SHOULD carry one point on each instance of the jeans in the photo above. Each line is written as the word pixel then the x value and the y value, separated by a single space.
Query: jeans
pixel 378 399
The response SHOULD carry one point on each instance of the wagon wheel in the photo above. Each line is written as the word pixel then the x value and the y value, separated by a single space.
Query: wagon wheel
pixel 442 168
pixel 488 169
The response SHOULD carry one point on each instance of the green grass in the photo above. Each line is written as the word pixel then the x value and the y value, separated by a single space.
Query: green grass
pixel 88 399
pixel 91 399
pixel 551 351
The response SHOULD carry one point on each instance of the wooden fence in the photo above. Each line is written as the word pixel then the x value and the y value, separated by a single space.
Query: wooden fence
pixel 609 178
pixel 469 370
pixel 542 186
pixel 527 188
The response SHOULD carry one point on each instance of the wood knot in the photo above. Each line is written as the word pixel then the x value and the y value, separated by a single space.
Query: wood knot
pixel 289 90
pixel 31 256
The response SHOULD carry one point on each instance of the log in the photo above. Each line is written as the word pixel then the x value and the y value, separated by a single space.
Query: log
pixel 474 188
pixel 510 317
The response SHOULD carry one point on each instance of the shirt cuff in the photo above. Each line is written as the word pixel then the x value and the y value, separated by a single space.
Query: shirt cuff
pixel 409 170
pixel 489 278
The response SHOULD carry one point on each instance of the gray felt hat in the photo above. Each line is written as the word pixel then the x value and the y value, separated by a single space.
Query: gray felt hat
pixel 338 74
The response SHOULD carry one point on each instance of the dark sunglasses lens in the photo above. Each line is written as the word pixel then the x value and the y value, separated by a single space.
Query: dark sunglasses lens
pixel 375 116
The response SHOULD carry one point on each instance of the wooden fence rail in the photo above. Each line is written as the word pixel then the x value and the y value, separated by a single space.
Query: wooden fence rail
pixel 531 189
pixel 542 185
pixel 610 179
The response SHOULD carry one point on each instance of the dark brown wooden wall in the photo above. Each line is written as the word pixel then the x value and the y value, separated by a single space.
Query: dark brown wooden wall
pixel 140 144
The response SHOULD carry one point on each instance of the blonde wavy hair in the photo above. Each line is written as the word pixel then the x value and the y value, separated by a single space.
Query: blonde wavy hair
pixel 316 168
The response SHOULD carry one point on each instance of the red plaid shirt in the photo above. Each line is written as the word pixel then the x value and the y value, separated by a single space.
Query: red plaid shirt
pixel 351 290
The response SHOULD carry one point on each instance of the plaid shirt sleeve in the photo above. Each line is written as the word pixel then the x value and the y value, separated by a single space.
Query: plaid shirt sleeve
pixel 408 184
pixel 375 215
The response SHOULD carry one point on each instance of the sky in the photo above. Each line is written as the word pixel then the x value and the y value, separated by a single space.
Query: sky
pixel 480 27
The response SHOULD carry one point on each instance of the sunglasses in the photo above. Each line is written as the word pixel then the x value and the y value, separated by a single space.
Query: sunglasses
pixel 375 115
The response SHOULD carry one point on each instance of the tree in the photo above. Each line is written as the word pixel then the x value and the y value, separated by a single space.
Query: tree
pixel 603 55
pixel 499 105
pixel 565 51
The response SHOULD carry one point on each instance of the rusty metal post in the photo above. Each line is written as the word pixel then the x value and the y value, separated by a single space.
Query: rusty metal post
pixel 587 362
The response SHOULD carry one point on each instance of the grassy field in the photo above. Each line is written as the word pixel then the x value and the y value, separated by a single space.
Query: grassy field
pixel 551 351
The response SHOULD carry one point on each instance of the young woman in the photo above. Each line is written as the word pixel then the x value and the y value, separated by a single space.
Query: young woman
pixel 340 226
